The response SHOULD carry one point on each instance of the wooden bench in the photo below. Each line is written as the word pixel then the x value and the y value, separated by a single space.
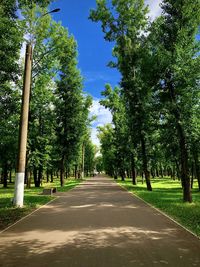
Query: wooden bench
pixel 49 191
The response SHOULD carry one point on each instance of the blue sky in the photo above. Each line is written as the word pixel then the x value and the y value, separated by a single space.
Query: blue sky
pixel 94 52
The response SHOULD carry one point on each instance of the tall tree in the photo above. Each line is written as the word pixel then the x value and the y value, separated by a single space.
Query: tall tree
pixel 72 106
pixel 11 38
pixel 108 149
pixel 41 31
pixel 114 102
pixel 124 23
pixel 177 51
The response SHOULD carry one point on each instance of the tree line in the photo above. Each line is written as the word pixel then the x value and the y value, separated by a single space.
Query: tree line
pixel 156 120
pixel 59 123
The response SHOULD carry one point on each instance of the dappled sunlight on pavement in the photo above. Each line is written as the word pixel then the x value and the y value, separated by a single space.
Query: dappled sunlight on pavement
pixel 98 224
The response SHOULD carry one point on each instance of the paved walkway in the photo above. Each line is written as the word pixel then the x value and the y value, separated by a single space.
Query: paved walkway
pixel 97 224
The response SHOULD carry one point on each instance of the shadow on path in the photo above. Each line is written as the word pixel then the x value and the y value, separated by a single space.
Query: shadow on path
pixel 97 224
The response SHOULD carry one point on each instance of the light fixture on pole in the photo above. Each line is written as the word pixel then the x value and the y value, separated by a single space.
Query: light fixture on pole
pixel 23 129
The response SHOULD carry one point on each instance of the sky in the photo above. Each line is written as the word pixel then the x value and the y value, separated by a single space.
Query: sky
pixel 94 52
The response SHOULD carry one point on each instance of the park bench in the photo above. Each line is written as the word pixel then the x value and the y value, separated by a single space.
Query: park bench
pixel 49 191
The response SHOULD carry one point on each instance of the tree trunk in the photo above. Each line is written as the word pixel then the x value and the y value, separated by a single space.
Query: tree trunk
pixel 122 175
pixel 51 176
pixel 173 172
pixel 192 174
pixel 161 171
pixel 142 175
pixel 185 178
pixel 28 180
pixel 187 197
pixel 145 165
pixel 40 175
pixel 133 172
pixel 47 173
pixel 35 175
pixel 152 173
pixel 2 176
pixel 115 175
pixel 5 175
pixel 157 172
pixel 62 171
pixel 178 172
pixel 10 176
pixel 75 171
pixel 26 176
pixel 197 167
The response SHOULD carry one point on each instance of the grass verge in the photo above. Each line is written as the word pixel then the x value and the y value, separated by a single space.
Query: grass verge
pixel 167 196
pixel 33 199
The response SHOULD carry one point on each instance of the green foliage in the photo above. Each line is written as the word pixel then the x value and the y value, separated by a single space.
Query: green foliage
pixel 72 106
pixel 177 50
pixel 108 149
pixel 90 152
pixel 123 22
pixel 159 64
pixel 59 111
pixel 99 164
pixel 30 4
pixel 11 38
pixel 115 103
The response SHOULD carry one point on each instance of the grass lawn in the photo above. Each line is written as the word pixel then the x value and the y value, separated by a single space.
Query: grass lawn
pixel 167 196
pixel 33 199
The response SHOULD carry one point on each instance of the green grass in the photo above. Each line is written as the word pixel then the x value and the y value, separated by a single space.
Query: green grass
pixel 167 196
pixel 33 199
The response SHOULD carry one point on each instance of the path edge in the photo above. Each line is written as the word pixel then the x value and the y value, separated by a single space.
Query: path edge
pixel 27 215
pixel 55 197
pixel 158 210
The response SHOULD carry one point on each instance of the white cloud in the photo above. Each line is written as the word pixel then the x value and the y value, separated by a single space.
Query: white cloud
pixel 103 116
pixel 154 7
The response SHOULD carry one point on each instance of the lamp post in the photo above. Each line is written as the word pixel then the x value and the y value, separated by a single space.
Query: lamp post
pixel 23 129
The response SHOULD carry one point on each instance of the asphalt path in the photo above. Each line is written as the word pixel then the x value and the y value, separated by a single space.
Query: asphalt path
pixel 98 224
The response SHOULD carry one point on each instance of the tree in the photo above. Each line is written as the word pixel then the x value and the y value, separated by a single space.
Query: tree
pixel 72 107
pixel 176 50
pixel 114 102
pixel 90 152
pixel 124 23
pixel 11 38
pixel 41 138
pixel 99 164
pixel 108 152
